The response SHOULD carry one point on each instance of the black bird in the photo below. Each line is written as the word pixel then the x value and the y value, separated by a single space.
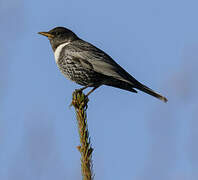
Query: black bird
pixel 89 66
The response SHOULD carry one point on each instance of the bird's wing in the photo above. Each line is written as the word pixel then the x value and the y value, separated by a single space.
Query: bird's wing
pixel 94 58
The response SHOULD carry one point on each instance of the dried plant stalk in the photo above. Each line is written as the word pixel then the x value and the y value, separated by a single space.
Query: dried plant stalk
pixel 79 101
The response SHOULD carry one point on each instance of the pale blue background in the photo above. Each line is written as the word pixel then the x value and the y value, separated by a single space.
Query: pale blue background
pixel 135 136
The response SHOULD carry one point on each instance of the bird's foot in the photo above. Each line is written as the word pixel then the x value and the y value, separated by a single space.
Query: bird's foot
pixel 79 90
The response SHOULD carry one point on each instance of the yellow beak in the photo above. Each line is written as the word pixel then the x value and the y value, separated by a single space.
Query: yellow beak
pixel 46 34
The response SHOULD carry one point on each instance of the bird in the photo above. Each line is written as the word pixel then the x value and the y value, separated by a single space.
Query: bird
pixel 87 65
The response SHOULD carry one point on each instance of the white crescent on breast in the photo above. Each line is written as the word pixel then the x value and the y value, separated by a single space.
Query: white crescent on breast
pixel 58 50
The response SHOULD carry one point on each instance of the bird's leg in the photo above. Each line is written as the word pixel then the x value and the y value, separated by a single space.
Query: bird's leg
pixel 92 91
pixel 81 89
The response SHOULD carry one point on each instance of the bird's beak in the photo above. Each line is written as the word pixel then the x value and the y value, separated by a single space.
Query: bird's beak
pixel 46 34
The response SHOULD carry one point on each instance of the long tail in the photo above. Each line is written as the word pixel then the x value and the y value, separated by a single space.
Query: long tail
pixel 147 90
pixel 137 85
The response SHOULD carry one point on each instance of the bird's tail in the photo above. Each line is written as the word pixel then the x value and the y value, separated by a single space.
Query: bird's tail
pixel 147 90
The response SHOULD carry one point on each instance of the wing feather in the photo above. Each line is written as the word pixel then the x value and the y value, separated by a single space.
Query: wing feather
pixel 94 58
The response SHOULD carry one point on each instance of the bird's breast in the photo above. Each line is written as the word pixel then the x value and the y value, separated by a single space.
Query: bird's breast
pixel 58 50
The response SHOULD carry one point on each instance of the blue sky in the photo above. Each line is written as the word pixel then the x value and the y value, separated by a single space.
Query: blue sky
pixel 134 136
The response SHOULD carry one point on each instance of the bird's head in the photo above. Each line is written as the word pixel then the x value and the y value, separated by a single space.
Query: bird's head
pixel 59 35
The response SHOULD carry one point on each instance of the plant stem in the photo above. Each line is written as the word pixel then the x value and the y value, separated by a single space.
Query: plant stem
pixel 79 101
